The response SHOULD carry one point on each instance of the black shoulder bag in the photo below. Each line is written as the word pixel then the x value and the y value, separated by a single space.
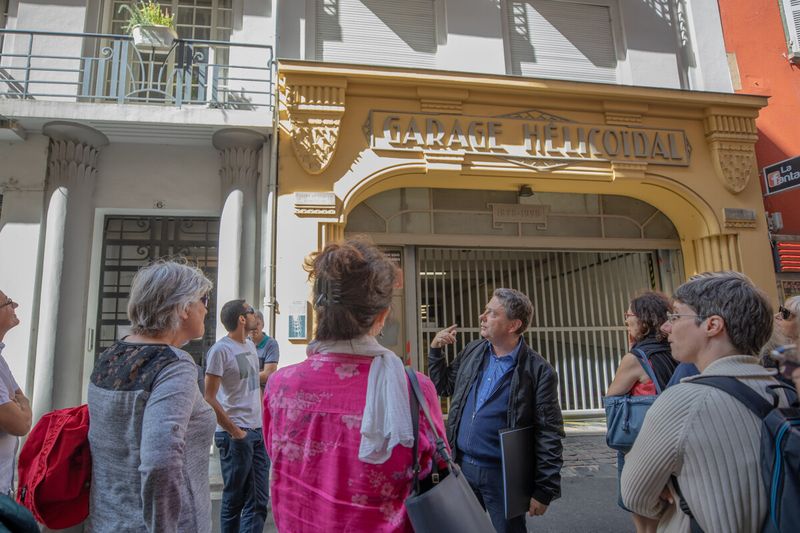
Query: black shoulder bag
pixel 444 501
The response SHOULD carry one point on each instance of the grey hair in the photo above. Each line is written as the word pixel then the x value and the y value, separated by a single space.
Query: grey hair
pixel 731 295
pixel 259 315
pixel 517 307
pixel 793 304
pixel 160 292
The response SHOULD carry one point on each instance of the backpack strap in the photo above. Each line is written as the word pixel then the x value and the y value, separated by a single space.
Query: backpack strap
pixel 641 356
pixel 747 396
pixel 694 527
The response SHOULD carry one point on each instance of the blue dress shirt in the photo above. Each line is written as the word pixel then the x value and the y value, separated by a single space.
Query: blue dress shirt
pixel 496 369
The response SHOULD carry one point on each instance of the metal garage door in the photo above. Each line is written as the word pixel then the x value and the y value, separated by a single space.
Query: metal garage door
pixel 579 299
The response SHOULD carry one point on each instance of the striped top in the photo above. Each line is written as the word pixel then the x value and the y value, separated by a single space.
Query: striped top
pixel 711 443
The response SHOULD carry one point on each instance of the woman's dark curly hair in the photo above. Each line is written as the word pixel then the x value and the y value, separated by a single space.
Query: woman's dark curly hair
pixel 651 310
pixel 353 283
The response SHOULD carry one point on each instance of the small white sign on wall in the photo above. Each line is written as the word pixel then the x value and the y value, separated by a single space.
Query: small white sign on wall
pixel 298 320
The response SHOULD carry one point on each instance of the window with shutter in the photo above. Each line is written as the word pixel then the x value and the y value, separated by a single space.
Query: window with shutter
pixel 376 32
pixel 561 39
pixel 791 16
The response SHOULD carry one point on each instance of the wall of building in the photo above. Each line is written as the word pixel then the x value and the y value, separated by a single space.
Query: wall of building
pixel 359 165
pixel 22 176
pixel 660 46
pixel 754 33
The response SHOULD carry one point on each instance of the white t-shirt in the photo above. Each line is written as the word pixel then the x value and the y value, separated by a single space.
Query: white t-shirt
pixel 239 393
pixel 8 442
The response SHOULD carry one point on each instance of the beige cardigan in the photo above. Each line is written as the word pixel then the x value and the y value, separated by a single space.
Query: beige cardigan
pixel 711 442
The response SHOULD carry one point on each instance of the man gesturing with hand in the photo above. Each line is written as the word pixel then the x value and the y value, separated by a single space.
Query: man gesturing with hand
pixel 495 383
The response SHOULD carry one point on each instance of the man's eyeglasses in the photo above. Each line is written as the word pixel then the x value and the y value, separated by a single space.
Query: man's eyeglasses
pixel 10 302
pixel 626 315
pixel 674 317
pixel 204 300
pixel 249 311
pixel 784 313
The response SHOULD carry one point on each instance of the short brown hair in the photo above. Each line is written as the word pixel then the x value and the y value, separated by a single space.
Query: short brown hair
pixel 353 283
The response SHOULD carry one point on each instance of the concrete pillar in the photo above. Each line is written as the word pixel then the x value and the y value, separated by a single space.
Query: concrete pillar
pixel 239 250
pixel 69 218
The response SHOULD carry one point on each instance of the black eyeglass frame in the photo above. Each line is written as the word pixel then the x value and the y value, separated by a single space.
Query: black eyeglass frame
pixel 9 302
pixel 785 313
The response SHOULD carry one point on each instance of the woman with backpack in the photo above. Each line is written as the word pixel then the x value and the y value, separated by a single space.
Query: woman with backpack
pixel 150 428
pixel 643 319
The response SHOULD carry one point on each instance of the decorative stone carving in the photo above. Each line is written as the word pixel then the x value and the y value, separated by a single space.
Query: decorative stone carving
pixel 717 252
pixel 238 168
pixel 731 139
pixel 316 204
pixel 329 232
pixel 239 153
pixel 315 109
pixel 73 155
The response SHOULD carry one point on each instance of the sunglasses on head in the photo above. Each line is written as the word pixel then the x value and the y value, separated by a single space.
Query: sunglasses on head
pixel 249 311
pixel 785 313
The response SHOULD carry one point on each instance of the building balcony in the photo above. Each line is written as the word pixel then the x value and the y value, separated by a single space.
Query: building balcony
pixel 75 76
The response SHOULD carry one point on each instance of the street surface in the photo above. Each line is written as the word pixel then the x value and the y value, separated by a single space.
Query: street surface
pixel 588 502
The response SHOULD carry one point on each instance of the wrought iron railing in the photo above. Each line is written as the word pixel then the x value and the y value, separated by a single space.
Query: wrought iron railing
pixel 94 67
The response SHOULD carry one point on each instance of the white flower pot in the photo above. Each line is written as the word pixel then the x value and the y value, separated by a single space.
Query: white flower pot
pixel 147 38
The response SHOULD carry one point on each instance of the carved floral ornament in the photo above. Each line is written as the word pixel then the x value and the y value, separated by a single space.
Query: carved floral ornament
pixel 315 109
pixel 732 143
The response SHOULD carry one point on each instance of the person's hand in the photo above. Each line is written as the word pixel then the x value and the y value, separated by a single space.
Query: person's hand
pixel 239 435
pixel 22 400
pixel 446 336
pixel 537 508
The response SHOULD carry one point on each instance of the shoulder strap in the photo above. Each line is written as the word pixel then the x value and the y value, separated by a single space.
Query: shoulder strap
pixel 750 398
pixel 414 405
pixel 641 356
pixel 441 448
pixel 694 527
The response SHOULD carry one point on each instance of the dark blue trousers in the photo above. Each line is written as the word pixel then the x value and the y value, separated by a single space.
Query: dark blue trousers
pixel 245 476
pixel 487 484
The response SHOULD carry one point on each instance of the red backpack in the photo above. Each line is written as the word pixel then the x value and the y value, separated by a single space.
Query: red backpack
pixel 55 468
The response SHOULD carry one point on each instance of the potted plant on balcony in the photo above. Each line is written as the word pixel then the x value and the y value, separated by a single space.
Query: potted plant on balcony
pixel 151 27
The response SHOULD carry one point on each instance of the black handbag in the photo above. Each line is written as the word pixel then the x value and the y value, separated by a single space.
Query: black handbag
pixel 443 502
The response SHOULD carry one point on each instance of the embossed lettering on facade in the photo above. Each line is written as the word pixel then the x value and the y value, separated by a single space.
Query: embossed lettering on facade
pixel 545 138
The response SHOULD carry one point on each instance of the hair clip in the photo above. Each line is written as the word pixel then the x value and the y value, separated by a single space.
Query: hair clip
pixel 329 292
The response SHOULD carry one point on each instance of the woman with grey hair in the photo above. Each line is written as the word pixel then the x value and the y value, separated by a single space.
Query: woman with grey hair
pixel 150 428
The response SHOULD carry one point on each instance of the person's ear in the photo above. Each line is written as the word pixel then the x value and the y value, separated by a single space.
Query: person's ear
pixel 715 325
pixel 515 326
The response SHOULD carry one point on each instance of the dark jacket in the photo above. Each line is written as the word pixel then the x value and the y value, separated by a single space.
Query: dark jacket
pixel 533 401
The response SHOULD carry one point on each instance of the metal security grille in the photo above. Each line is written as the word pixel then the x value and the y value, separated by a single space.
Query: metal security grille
pixel 579 299
pixel 130 242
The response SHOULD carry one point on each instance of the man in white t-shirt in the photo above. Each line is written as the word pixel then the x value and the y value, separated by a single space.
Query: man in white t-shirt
pixel 15 408
pixel 233 391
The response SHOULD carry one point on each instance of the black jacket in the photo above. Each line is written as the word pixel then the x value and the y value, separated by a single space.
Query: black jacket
pixel 533 401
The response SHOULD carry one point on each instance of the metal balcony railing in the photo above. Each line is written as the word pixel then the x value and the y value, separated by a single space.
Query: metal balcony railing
pixel 94 67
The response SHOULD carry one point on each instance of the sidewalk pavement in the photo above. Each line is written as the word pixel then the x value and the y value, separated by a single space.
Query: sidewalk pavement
pixel 588 500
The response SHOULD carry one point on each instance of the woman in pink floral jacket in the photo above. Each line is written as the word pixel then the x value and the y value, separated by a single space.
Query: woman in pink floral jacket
pixel 338 426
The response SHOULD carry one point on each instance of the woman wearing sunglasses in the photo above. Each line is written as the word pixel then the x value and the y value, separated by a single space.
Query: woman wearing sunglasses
pixel 787 324
pixel 150 428
pixel 786 321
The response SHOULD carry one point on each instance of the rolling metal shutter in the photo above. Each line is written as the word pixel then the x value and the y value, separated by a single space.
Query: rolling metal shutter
pixel 564 40
pixel 376 32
